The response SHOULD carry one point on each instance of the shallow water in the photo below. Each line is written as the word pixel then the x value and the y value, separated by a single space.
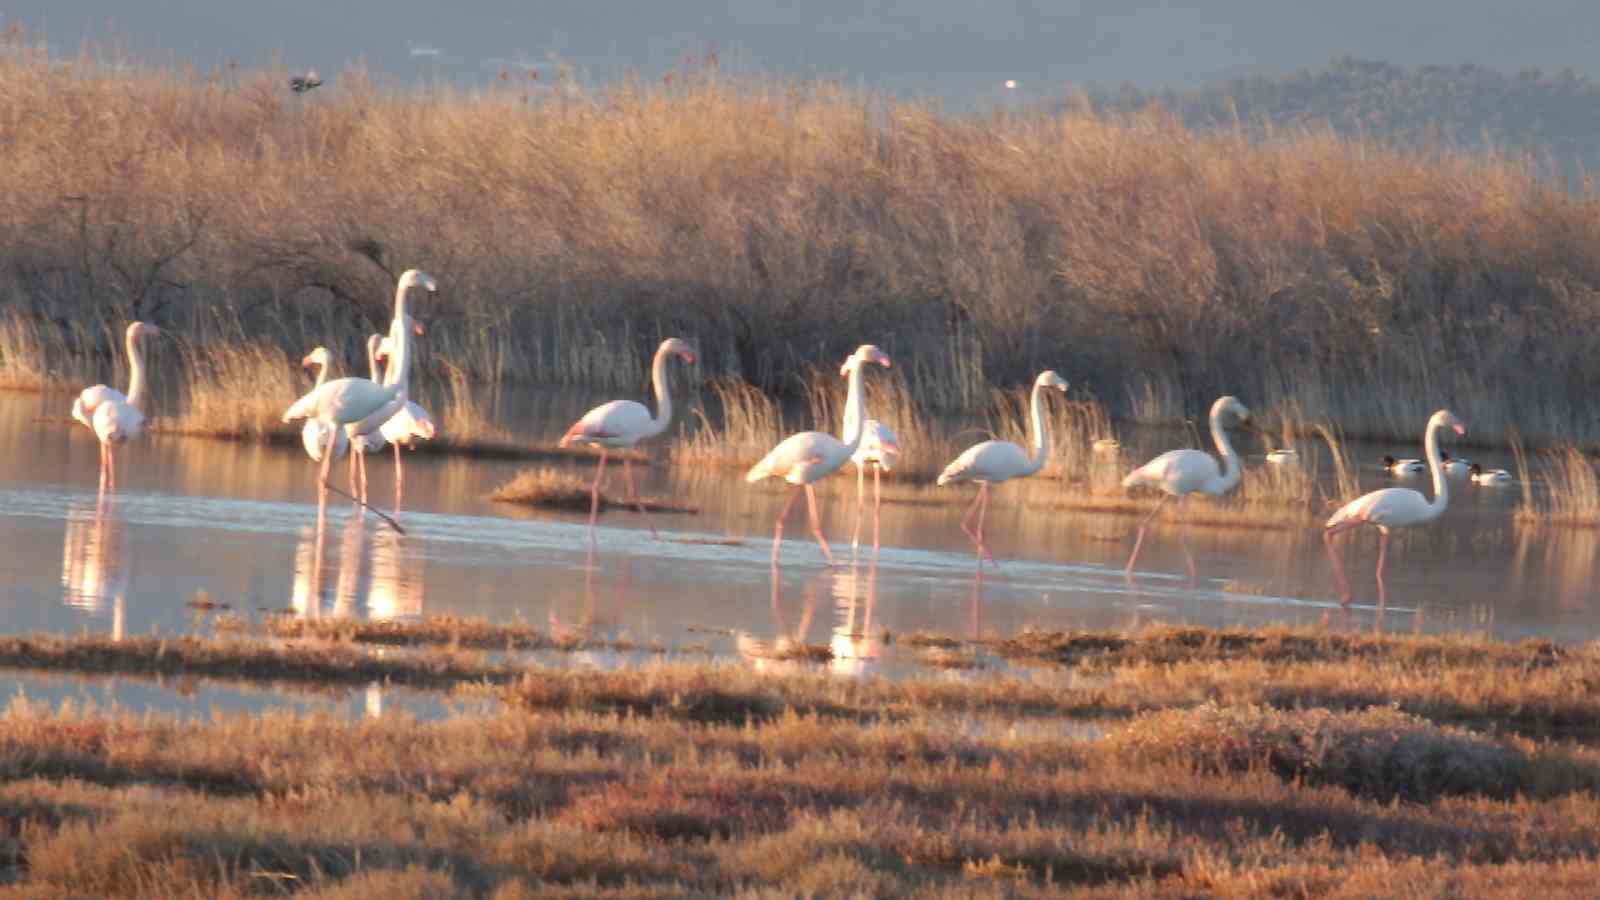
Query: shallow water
pixel 237 524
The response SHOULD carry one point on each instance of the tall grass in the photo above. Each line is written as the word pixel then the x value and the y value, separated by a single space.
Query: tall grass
pixel 748 423
pixel 1572 494
pixel 779 224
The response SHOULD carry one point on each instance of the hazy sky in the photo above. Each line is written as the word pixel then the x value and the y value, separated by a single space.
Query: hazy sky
pixel 958 50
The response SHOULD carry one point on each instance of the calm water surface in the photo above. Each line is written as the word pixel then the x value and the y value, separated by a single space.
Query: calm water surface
pixel 238 524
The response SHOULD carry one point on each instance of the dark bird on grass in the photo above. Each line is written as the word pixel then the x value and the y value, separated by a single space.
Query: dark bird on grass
pixel 302 83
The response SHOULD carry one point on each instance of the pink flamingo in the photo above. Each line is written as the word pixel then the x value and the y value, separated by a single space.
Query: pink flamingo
pixel 412 423
pixel 621 424
pixel 115 417
pixel 1179 473
pixel 804 458
pixel 1393 508
pixel 993 462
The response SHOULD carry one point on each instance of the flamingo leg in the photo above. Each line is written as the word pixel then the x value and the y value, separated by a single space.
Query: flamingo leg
pixel 816 524
pixel 105 472
pixel 322 487
pixel 777 527
pixel 111 464
pixel 1183 541
pixel 1144 525
pixel 1345 597
pixel 966 519
pixel 594 491
pixel 983 511
pixel 1383 554
pixel 399 479
pixel 861 492
pixel 633 496
pixel 877 503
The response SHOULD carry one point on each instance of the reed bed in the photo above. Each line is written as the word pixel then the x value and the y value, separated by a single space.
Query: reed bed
pixel 1572 491
pixel 674 780
pixel 573 228
pixel 552 488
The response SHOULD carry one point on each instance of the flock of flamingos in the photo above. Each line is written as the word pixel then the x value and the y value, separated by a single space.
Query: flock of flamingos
pixel 356 416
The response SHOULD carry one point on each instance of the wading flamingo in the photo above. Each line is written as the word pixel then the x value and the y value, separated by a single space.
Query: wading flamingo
pixel 317 435
pixel 361 445
pixel 113 416
pixel 992 462
pixel 1179 473
pixel 881 449
pixel 804 458
pixel 620 424
pixel 412 423
pixel 1482 476
pixel 1393 507
pixel 362 405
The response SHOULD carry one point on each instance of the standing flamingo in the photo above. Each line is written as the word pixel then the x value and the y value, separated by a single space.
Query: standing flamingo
pixel 804 458
pixel 881 449
pixel 113 416
pixel 317 436
pixel 620 424
pixel 412 423
pixel 1180 473
pixel 362 405
pixel 993 462
pixel 1393 507
pixel 373 441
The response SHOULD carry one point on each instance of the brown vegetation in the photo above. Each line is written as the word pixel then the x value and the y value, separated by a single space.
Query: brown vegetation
pixel 552 488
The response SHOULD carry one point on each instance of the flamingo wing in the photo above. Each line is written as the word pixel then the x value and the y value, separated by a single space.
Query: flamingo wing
pixel 620 423
pixel 90 398
pixel 990 461
pixel 878 444
pixel 1386 508
pixel 1176 472
pixel 801 458
pixel 116 421
pixel 410 424
pixel 316 437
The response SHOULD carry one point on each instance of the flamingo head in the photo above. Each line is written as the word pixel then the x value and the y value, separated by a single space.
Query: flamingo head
pixel 418 278
pixel 317 357
pixel 1230 405
pixel 866 353
pixel 1444 418
pixel 142 329
pixel 1049 378
pixel 679 346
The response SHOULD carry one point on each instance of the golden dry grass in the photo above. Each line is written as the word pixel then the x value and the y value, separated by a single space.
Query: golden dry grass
pixel 552 488
pixel 1572 491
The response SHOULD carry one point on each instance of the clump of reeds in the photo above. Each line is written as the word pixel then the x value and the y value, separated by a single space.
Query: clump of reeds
pixel 1572 491
pixel 549 487
pixel 747 423
pixel 236 391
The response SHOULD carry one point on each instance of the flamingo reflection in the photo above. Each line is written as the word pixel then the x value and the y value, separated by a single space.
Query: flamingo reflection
pixel 376 576
pixel 95 563
pixel 855 645
pixel 787 649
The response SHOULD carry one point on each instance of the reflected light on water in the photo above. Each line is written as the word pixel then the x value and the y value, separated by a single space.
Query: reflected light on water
pixel 95 562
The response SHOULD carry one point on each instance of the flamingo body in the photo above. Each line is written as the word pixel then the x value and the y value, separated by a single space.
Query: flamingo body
pixel 113 416
pixel 990 462
pixel 616 425
pixel 879 446
pixel 1386 508
pixel 411 424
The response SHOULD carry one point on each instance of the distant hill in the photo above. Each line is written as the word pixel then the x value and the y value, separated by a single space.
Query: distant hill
pixel 1554 116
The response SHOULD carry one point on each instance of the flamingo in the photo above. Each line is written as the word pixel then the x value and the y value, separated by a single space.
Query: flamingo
pixel 621 424
pixel 1393 507
pixel 881 449
pixel 372 441
pixel 412 423
pixel 802 459
pixel 1179 473
pixel 1404 467
pixel 113 416
pixel 1486 477
pixel 360 405
pixel 316 435
pixel 993 462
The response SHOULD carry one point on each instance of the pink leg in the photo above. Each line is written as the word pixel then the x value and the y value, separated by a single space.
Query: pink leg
pixel 861 501
pixel 399 480
pixel 1138 542
pixel 111 464
pixel 1183 541
pixel 966 519
pixel 322 487
pixel 1345 597
pixel 777 527
pixel 983 511
pixel 816 524
pixel 633 496
pixel 1383 553
pixel 877 503
pixel 594 491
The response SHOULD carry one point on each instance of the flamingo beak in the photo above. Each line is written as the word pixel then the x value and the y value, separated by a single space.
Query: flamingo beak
pixel 687 356
pixel 308 362
pixel 882 359
pixel 1460 428
pixel 417 329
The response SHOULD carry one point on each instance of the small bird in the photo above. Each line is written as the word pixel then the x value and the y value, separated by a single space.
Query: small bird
pixel 1482 476
pixel 1404 467
pixel 1393 508
pixel 302 83
pixel 1455 466
pixel 1286 457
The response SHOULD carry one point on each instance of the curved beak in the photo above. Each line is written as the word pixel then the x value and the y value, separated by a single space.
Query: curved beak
pixel 417 329
pixel 308 361
pixel 1460 428
pixel 687 356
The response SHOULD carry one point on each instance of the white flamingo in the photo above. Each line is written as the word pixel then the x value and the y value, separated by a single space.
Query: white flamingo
pixel 1393 507
pixel 372 441
pixel 362 405
pixel 316 435
pixel 1487 477
pixel 993 462
pixel 880 448
pixel 621 424
pixel 804 458
pixel 1179 473
pixel 113 416
pixel 412 423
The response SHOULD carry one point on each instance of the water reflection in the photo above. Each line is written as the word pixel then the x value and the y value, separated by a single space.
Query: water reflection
pixel 95 561
pixel 855 642
pixel 376 574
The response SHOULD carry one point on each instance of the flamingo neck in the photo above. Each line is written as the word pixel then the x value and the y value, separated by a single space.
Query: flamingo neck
pixel 1230 460
pixel 372 362
pixel 1041 433
pixel 322 374
pixel 855 410
pixel 135 372
pixel 662 385
pixel 398 369
pixel 1441 485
